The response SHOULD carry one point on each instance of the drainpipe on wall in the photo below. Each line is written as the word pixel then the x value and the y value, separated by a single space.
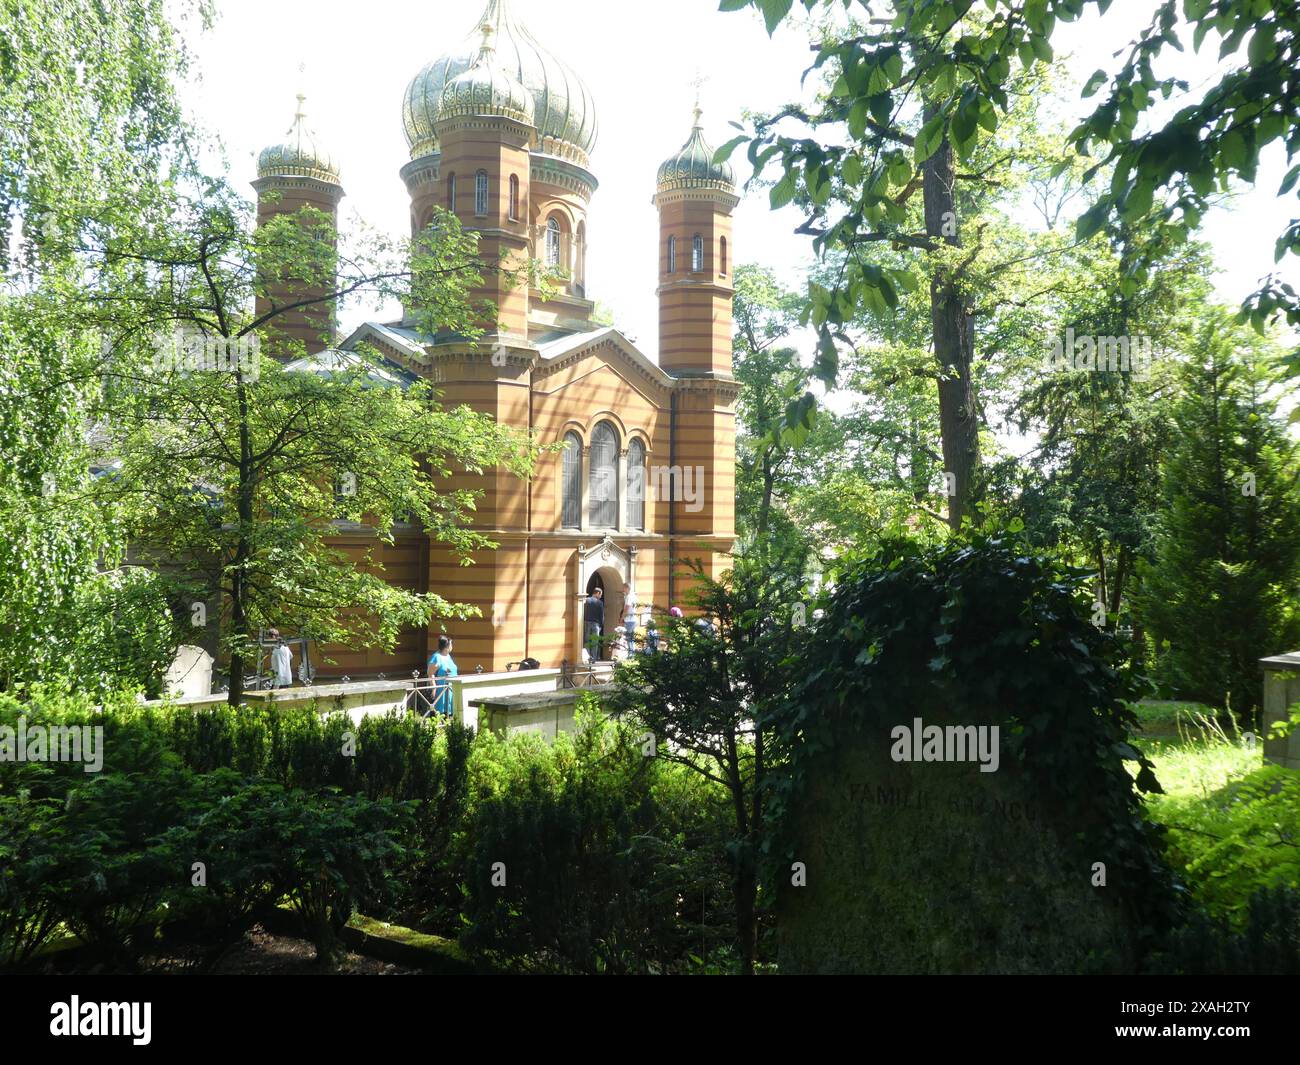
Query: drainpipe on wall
pixel 672 494
pixel 528 522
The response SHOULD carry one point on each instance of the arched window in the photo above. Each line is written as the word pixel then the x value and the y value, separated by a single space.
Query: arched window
pixel 514 197
pixel 722 257
pixel 451 192
pixel 672 255
pixel 581 254
pixel 602 489
pixel 697 254
pixel 571 482
pixel 636 485
pixel 481 194
pixel 553 242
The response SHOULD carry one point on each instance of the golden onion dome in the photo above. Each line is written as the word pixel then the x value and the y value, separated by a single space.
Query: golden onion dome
pixel 301 154
pixel 693 167
pixel 487 88
pixel 564 113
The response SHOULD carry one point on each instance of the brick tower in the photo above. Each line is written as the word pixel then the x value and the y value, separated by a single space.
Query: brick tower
pixel 290 176
pixel 695 197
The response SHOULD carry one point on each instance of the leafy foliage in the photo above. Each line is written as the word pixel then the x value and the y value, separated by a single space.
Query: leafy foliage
pixel 604 853
pixel 1220 592
pixel 999 636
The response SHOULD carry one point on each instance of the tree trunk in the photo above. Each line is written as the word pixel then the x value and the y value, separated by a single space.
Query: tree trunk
pixel 953 343
pixel 238 613
pixel 746 894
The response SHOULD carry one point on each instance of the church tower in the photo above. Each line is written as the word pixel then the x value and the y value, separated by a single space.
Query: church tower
pixel 695 197
pixel 485 126
pixel 290 176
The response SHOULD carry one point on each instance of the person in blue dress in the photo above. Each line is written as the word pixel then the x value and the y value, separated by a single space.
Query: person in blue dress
pixel 442 667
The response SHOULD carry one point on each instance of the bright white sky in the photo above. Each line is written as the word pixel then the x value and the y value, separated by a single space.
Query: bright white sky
pixel 639 60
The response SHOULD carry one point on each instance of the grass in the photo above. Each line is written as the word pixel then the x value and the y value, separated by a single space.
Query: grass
pixel 1166 716
pixel 1233 820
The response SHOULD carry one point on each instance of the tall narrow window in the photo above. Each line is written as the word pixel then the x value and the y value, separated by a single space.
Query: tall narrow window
pixel 481 194
pixel 602 490
pixel 451 192
pixel 571 482
pixel 697 254
pixel 636 485
pixel 514 197
pixel 552 242
pixel 580 255
pixel 672 255
pixel 722 257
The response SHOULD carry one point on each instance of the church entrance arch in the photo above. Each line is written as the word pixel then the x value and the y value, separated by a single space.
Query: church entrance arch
pixel 607 566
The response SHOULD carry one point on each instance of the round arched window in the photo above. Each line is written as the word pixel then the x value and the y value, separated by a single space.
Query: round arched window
pixel 602 489
pixel 636 485
pixel 571 482
pixel 553 242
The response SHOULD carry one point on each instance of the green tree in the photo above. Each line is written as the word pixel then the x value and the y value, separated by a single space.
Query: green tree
pixel 770 426
pixel 91 137
pixel 1092 484
pixel 707 699
pixel 900 152
pixel 1222 591
pixel 241 463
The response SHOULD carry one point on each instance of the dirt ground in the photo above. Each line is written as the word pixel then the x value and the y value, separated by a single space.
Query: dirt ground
pixel 266 953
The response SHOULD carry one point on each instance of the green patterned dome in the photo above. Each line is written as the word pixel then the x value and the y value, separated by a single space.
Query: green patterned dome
pixel 487 88
pixel 301 155
pixel 564 113
pixel 693 167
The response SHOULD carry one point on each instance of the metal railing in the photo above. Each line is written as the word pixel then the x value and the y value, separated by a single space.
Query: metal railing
pixel 423 698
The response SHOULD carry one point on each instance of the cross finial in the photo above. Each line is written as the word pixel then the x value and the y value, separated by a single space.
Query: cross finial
pixel 302 96
pixel 487 29
pixel 698 81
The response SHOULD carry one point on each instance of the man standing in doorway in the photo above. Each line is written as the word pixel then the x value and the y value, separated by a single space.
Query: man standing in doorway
pixel 593 622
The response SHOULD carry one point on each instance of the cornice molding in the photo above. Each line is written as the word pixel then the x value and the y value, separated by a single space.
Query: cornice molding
pixel 728 200
pixel 327 189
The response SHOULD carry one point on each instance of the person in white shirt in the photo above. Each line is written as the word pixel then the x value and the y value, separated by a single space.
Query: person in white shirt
pixel 281 662
pixel 629 614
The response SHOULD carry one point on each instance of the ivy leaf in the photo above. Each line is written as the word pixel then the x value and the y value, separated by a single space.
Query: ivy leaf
pixel 1146 781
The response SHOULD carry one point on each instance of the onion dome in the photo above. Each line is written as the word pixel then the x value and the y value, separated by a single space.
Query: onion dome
pixel 487 88
pixel 563 111
pixel 301 155
pixel 693 167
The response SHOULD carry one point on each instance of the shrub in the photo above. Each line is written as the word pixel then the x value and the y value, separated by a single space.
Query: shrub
pixel 600 862
pixel 35 857
pixel 1268 943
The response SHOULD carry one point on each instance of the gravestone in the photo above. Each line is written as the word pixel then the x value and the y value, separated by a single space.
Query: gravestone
pixel 190 674
pixel 937 867
pixel 1281 692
